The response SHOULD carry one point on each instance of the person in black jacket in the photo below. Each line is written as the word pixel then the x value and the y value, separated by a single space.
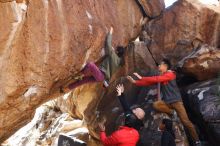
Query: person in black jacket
pixel 130 113
pixel 168 136
pixel 126 135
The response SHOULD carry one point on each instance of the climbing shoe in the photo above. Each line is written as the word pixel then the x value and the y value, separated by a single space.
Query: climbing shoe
pixel 79 77
pixel 105 84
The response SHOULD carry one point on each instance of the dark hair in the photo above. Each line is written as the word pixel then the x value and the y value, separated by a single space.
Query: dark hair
pixel 120 51
pixel 132 121
pixel 168 126
pixel 167 62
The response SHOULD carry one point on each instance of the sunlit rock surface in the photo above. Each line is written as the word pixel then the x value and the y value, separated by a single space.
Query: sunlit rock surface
pixel 47 125
pixel 42 43
pixel 152 9
pixel 181 29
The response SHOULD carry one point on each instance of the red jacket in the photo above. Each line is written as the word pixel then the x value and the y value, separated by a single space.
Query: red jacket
pixel 164 79
pixel 125 136
pixel 168 90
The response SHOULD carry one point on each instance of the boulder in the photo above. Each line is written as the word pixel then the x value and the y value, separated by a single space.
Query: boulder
pixel 67 104
pixel 151 8
pixel 202 100
pixel 51 127
pixel 182 27
pixel 203 63
pixel 4 1
pixel 42 43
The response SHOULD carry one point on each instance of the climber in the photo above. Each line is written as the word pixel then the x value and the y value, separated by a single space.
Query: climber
pixel 112 60
pixel 168 136
pixel 171 102
pixel 126 135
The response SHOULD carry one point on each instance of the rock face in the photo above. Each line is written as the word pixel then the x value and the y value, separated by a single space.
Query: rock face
pixel 45 42
pixel 152 9
pixel 203 63
pixel 181 29
pixel 52 127
pixel 4 1
pixel 203 103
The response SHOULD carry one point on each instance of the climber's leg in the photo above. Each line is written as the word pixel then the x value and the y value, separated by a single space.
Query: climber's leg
pixel 180 109
pixel 91 73
pixel 161 106
pixel 92 70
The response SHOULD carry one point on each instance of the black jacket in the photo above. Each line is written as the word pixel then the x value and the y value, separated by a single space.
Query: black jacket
pixel 124 104
pixel 167 139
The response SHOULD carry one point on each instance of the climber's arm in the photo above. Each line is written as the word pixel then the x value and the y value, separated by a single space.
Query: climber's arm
pixel 108 46
pixel 146 81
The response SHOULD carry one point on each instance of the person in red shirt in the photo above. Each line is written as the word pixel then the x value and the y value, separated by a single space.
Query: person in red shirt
pixel 171 101
pixel 126 135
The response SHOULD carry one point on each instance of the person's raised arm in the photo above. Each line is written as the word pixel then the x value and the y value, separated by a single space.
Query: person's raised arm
pixel 108 45
pixel 120 95
pixel 146 81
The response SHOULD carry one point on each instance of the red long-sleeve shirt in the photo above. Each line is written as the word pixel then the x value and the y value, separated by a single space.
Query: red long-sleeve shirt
pixel 125 136
pixel 164 79
pixel 168 90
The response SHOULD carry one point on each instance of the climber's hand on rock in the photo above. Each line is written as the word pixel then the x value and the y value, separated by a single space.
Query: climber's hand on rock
pixel 120 89
pixel 111 30
pixel 101 127
pixel 131 79
pixel 113 49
